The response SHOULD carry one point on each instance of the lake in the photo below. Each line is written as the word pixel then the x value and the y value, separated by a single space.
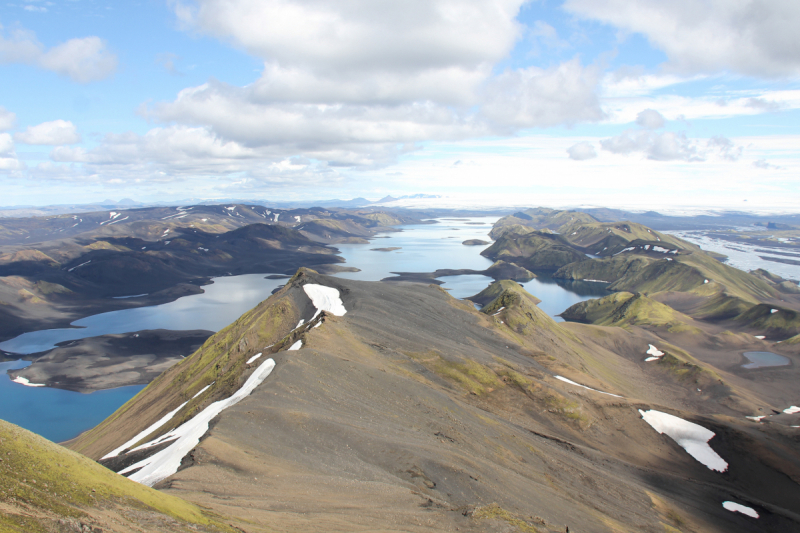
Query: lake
pixel 60 415
pixel 764 360
pixel 57 414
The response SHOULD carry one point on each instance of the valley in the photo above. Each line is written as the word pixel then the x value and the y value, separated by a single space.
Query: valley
pixel 445 397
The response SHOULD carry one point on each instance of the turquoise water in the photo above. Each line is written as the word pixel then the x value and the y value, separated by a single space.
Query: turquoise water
pixel 57 414
pixel 60 415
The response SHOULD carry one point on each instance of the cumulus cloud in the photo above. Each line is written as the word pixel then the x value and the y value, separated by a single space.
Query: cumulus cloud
pixel 6 145
pixel 7 119
pixel 360 82
pixel 650 119
pixel 8 156
pixel 533 97
pixel 582 151
pixel 755 37
pixel 54 132
pixel 668 145
pixel 671 146
pixel 83 60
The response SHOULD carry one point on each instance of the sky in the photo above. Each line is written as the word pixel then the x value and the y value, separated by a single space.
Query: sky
pixel 642 104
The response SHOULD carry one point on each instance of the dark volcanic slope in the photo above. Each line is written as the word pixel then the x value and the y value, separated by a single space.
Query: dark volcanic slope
pixel 414 412
pixel 57 269
pixel 109 361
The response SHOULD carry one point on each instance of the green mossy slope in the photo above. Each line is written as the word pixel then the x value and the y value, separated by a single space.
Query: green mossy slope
pixel 220 363
pixel 44 486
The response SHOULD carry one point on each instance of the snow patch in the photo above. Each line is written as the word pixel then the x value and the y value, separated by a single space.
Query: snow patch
pixel 256 356
pixel 201 391
pixel 166 418
pixel 792 410
pixel 86 263
pixel 756 418
pixel 690 436
pixel 773 311
pixel 739 508
pixel 296 346
pixel 325 299
pixel 186 436
pixel 760 337
pixel 654 353
pixel 565 380
pixel 24 381
pixel 498 311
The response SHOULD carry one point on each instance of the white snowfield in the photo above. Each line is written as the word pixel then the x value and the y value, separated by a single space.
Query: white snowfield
pixel 773 311
pixel 739 508
pixel 654 353
pixel 565 380
pixel 24 381
pixel 166 418
pixel 792 410
pixel 186 436
pixel 295 346
pixel 690 436
pixel 325 299
pixel 256 356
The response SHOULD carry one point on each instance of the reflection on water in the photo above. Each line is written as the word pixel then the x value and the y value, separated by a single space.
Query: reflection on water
pixel 56 414
pixel 764 359
pixel 223 301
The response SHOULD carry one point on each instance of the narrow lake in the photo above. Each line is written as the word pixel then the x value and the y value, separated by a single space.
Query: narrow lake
pixel 60 415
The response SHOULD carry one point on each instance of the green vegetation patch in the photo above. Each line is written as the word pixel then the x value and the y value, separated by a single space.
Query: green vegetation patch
pixel 38 474
pixel 468 375
pixel 495 512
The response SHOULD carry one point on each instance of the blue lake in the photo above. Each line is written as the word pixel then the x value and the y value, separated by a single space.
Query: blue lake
pixel 60 415
pixel 56 414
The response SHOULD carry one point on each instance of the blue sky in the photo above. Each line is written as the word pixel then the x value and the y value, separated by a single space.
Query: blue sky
pixel 631 103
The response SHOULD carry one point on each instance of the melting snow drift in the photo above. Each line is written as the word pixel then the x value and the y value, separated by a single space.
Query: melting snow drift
pixel 691 437
pixel 186 436
pixel 739 508
pixel 565 380
pixel 654 353
pixel 325 299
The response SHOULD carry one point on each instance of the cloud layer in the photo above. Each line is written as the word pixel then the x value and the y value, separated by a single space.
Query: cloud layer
pixel 753 37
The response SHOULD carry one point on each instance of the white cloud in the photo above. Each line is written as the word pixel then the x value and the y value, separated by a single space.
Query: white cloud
pixel 8 156
pixel 753 37
pixel 763 164
pixel 671 146
pixel 357 83
pixel 533 97
pixel 582 151
pixel 650 119
pixel 7 119
pixel 54 132
pixel 83 60
pixel 6 145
